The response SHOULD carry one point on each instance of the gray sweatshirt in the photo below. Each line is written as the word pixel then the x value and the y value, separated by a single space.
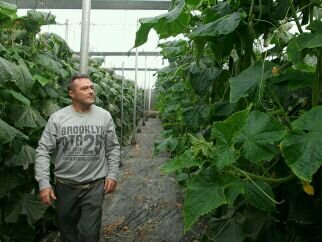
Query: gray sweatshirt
pixel 85 143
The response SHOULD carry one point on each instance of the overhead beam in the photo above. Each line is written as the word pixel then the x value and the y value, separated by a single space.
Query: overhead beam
pixel 96 4
pixel 133 69
pixel 115 53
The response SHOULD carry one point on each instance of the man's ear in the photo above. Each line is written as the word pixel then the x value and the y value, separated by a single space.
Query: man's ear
pixel 71 93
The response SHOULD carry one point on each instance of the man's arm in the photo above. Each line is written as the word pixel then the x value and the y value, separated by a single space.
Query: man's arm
pixel 46 145
pixel 112 149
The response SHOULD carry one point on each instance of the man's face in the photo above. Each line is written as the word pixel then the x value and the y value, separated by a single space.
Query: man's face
pixel 82 92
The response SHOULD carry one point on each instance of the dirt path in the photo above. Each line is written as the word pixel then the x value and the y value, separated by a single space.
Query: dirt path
pixel 146 205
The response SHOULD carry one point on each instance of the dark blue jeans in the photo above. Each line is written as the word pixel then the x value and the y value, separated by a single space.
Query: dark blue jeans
pixel 79 212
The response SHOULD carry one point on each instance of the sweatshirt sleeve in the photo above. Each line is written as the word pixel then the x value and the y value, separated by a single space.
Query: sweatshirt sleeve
pixel 46 145
pixel 112 149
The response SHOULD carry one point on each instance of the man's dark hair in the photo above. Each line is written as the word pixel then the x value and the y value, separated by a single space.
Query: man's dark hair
pixel 73 78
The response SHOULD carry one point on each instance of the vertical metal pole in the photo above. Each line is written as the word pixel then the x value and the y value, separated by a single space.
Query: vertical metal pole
pixel 144 86
pixel 122 104
pixel 147 97
pixel 149 94
pixel 133 141
pixel 66 30
pixel 122 113
pixel 85 36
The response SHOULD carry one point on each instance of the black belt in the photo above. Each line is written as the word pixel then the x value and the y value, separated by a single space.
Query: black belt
pixel 80 186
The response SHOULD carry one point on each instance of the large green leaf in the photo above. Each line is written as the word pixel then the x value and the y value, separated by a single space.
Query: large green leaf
pixel 174 48
pixel 193 3
pixel 8 133
pixel 225 155
pixel 29 205
pixel 249 80
pixel 196 115
pixel 23 231
pixel 99 90
pixel 25 157
pixel 8 70
pixel 258 136
pixel 35 19
pixel 316 26
pixel 281 10
pixel 50 106
pixel 207 191
pixel 203 78
pixel 16 95
pixel 224 108
pixel 168 144
pixel 20 74
pixel 296 79
pixel 19 51
pixel 301 42
pixel 293 53
pixel 222 46
pixel 308 40
pixel 256 222
pixel 222 26
pixel 50 64
pixel 216 11
pixel 9 180
pixel 186 160
pixel 228 228
pixel 3 49
pixel 169 24
pixel 26 116
pixel 260 196
pixel 7 14
pixel 41 79
pixel 42 18
pixel 302 146
pixel 24 79
pixel 223 132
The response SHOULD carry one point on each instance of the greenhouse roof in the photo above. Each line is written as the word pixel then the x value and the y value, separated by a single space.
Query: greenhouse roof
pixel 96 4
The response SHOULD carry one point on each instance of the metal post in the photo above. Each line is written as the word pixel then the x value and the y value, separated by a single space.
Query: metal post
pixel 122 113
pixel 144 86
pixel 86 5
pixel 122 104
pixel 149 94
pixel 133 141
pixel 66 30
pixel 138 130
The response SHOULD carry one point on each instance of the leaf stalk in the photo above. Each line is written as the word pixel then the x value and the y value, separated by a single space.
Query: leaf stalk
pixel 259 188
pixel 267 179
pixel 290 2
pixel 316 82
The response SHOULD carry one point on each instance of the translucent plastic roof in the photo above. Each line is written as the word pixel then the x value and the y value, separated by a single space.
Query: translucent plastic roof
pixel 96 4
pixel 111 31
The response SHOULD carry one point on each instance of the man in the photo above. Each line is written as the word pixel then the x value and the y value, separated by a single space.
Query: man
pixel 86 162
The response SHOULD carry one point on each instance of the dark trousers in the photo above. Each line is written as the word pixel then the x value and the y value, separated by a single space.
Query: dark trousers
pixel 79 212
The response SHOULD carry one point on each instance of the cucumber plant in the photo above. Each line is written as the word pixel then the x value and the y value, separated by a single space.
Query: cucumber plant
pixel 34 71
pixel 241 105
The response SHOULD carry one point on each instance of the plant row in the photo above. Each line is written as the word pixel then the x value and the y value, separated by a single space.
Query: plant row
pixel 241 106
pixel 34 72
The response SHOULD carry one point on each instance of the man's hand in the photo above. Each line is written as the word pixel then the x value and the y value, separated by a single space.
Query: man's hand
pixel 109 185
pixel 47 195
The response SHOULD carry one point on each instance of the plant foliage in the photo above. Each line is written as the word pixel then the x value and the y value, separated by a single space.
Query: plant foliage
pixel 34 71
pixel 242 99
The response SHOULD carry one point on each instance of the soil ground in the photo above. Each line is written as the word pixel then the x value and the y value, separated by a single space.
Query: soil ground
pixel 147 205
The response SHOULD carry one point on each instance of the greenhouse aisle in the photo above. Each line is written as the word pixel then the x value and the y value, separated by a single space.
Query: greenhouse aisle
pixel 146 205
